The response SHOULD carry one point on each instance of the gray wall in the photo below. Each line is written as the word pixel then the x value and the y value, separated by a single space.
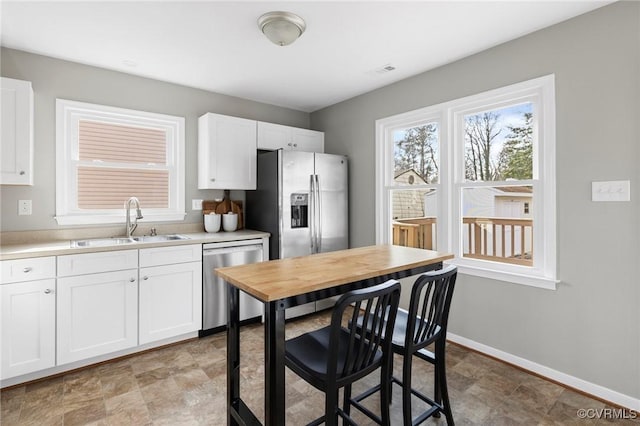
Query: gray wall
pixel 52 78
pixel 590 326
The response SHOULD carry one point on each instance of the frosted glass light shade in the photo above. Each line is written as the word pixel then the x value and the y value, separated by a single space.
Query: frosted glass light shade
pixel 282 28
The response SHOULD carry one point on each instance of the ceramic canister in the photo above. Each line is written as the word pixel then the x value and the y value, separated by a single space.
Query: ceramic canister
pixel 212 222
pixel 230 221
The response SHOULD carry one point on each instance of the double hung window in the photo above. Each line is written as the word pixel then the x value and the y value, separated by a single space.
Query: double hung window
pixel 106 155
pixel 476 177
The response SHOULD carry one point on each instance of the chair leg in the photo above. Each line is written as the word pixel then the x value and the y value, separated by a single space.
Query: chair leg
pixel 385 394
pixel 331 408
pixel 406 390
pixel 346 405
pixel 389 380
pixel 445 403
pixel 437 394
pixel 441 377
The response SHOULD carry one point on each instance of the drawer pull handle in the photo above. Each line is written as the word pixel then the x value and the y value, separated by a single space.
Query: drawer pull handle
pixel 22 173
pixel 145 278
pixel 27 269
pixel 48 291
pixel 132 280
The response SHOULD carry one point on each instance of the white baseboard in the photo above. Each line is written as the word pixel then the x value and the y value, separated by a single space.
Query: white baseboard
pixel 582 385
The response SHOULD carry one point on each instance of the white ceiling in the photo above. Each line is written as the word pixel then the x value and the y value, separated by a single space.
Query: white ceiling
pixel 217 46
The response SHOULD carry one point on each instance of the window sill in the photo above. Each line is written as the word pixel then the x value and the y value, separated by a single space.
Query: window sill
pixel 507 276
pixel 105 219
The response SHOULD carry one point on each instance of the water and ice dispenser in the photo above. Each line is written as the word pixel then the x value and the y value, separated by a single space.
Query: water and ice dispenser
pixel 299 210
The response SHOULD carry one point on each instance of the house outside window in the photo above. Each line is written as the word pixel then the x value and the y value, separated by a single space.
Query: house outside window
pixel 483 172
pixel 105 155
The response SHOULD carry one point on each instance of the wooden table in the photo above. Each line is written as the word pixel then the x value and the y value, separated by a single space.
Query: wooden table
pixel 285 283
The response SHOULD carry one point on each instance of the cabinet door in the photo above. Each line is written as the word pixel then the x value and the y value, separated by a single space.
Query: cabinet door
pixel 16 139
pixel 226 152
pixel 274 136
pixel 28 327
pixel 170 300
pixel 97 314
pixel 308 140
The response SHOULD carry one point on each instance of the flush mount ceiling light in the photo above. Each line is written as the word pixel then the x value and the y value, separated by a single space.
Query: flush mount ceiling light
pixel 282 28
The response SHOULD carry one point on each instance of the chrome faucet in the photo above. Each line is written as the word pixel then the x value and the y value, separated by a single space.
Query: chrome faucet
pixel 127 206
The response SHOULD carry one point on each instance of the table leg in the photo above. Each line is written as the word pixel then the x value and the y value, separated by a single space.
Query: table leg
pixel 274 406
pixel 233 352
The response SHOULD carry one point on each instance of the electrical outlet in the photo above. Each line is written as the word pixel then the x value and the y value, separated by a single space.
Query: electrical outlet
pixel 24 207
pixel 619 190
pixel 196 204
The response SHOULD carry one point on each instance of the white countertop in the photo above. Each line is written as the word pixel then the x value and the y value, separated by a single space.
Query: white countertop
pixel 62 247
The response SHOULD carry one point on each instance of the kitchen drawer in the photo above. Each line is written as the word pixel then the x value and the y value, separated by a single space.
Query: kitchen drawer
pixel 90 263
pixel 168 255
pixel 20 270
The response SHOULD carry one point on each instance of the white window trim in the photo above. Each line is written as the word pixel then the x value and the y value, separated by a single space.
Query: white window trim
pixel 542 92
pixel 68 113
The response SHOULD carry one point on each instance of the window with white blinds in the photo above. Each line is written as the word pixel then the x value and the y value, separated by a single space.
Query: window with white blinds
pixel 106 155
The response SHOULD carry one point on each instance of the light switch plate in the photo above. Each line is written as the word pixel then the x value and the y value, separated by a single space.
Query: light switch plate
pixel 196 204
pixel 618 190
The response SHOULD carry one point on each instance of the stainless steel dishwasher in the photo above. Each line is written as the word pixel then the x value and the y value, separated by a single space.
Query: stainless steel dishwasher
pixel 214 288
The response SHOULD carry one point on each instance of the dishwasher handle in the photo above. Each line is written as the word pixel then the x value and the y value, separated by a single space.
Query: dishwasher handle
pixel 230 249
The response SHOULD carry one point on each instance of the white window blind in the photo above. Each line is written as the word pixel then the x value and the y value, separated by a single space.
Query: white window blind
pixel 119 143
pixel 104 185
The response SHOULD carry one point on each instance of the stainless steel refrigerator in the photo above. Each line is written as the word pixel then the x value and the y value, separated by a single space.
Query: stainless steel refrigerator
pixel 302 200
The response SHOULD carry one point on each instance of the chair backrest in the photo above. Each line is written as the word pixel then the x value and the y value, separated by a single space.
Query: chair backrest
pixel 375 303
pixel 429 307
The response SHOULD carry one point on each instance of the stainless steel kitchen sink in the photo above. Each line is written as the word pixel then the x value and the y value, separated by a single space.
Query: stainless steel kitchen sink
pixel 116 241
pixel 102 242
pixel 160 238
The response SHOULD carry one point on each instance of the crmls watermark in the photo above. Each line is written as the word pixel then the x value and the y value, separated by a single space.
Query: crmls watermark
pixel 607 413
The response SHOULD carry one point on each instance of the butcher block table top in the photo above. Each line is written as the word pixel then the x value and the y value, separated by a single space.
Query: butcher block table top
pixel 279 279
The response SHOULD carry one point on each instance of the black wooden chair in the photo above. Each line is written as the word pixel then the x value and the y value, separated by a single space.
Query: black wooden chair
pixel 336 356
pixel 424 324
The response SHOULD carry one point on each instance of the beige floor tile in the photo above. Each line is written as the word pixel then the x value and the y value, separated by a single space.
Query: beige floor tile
pixel 127 409
pixel 89 412
pixel 185 384
pixel 118 384
pixel 152 376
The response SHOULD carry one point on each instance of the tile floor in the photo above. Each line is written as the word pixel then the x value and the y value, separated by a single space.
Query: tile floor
pixel 185 385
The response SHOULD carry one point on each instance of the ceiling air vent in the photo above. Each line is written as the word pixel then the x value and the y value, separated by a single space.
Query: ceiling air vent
pixel 382 70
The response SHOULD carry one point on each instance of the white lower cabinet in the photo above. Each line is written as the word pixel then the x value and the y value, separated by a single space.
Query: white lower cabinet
pixel 170 300
pixel 28 327
pixel 101 303
pixel 97 314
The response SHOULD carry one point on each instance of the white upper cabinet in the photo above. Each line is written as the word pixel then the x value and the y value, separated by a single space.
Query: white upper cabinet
pixel 275 136
pixel 226 152
pixel 16 159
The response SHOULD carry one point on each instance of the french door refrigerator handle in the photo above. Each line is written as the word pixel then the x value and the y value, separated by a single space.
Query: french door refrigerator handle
pixel 312 213
pixel 319 216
